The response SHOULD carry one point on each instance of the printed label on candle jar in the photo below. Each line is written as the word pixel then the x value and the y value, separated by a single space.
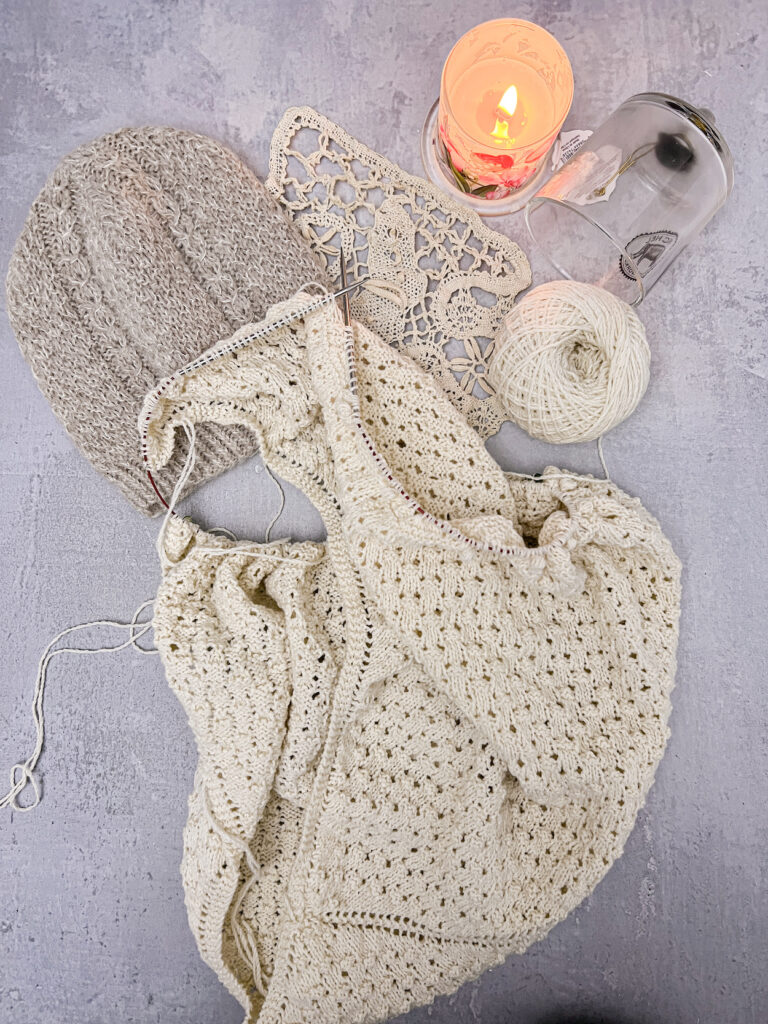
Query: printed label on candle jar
pixel 587 177
pixel 567 145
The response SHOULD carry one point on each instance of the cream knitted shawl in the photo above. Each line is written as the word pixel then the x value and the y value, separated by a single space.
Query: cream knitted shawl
pixel 423 742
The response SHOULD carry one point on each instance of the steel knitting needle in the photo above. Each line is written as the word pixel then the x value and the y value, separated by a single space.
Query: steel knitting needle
pixel 342 293
pixel 349 288
pixel 344 289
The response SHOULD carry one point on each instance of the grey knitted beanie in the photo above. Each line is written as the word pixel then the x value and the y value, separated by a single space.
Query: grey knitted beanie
pixel 144 248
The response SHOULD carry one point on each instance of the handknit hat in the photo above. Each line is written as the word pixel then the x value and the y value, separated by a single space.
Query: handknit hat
pixel 144 248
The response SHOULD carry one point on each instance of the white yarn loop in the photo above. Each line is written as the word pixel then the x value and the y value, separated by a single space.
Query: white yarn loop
pixel 186 472
pixel 571 362
pixel 276 516
pixel 22 773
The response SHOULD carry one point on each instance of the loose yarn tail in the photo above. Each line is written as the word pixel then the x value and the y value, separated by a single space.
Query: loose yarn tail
pixel 276 516
pixel 23 772
pixel 189 465
pixel 569 476
pixel 186 472
pixel 601 456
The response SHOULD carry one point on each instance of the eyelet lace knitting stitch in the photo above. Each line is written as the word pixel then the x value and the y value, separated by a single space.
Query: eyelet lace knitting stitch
pixel 433 732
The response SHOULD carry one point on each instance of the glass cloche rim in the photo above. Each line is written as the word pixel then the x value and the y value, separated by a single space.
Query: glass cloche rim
pixel 701 119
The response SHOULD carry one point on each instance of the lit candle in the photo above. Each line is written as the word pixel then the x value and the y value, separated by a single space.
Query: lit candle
pixel 506 89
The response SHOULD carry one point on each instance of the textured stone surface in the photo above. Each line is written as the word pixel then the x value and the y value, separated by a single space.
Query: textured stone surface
pixel 92 922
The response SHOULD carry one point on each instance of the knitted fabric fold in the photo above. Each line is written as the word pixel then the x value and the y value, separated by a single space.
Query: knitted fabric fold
pixel 424 741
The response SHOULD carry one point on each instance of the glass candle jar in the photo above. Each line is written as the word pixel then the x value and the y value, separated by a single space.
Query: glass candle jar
pixel 633 196
pixel 505 91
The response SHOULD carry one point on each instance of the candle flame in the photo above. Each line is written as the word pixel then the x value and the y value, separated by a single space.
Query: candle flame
pixel 508 102
pixel 506 105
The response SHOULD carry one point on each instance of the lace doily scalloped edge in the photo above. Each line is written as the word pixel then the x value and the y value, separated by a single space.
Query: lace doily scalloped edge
pixel 519 268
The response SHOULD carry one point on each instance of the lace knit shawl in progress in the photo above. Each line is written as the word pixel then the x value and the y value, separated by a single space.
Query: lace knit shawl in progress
pixel 459 277
pixel 424 741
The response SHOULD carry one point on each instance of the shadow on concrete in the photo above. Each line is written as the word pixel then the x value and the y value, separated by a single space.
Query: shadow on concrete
pixel 586 1017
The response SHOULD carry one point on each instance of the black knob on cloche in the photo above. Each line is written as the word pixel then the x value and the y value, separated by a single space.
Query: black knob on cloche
pixel 674 151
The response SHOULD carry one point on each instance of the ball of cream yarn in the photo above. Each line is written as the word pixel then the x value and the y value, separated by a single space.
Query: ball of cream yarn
pixel 571 361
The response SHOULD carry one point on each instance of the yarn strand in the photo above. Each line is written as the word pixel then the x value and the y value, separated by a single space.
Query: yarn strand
pixel 186 472
pixel 566 475
pixel 601 456
pixel 276 516
pixel 22 773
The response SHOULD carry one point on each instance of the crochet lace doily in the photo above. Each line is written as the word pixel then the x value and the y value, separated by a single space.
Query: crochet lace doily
pixel 459 277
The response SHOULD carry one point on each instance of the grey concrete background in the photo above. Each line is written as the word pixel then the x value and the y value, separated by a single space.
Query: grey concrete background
pixel 92 922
